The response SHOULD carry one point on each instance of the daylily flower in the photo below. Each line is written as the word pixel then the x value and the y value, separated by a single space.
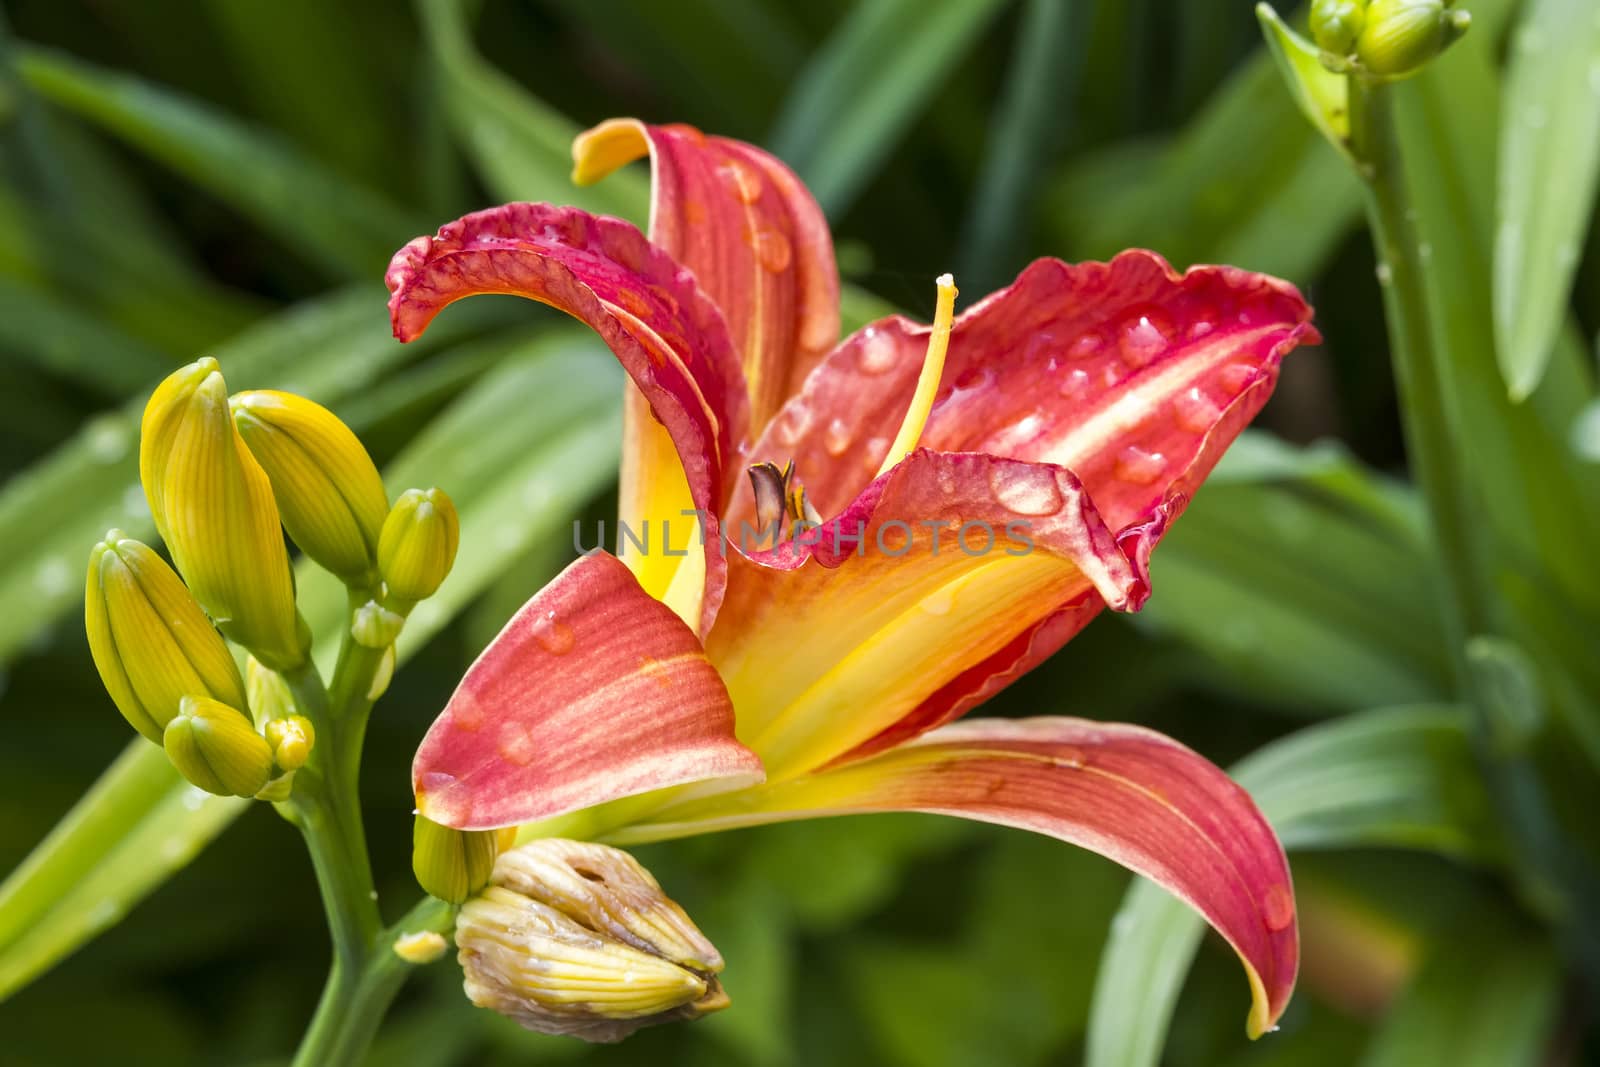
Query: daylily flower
pixel 1000 502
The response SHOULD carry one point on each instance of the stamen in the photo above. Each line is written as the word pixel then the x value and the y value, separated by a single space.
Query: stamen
pixel 928 381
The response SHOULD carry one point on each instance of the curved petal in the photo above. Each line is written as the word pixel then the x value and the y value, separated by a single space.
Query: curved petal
pixel 927 580
pixel 668 336
pixel 752 234
pixel 1128 793
pixel 593 691
pixel 1128 374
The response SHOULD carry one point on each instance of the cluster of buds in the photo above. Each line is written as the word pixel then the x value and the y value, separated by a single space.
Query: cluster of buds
pixel 1384 39
pixel 225 478
pixel 578 939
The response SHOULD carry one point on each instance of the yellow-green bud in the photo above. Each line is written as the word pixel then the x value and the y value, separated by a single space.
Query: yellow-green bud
pixel 214 507
pixel 216 748
pixel 418 544
pixel 270 696
pixel 151 642
pixel 451 864
pixel 1336 24
pixel 578 939
pixel 291 740
pixel 329 493
pixel 375 626
pixel 1401 35
pixel 423 946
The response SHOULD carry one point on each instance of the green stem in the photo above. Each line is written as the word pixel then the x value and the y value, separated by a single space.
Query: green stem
pixel 355 999
pixel 1425 422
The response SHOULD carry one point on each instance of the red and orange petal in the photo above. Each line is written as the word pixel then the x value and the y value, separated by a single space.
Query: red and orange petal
pixel 1130 375
pixel 752 234
pixel 1125 792
pixel 667 334
pixel 593 691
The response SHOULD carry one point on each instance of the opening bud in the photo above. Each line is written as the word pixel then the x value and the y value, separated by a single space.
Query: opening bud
pixel 328 492
pixel 1400 36
pixel 1336 24
pixel 418 544
pixel 375 626
pixel 150 640
pixel 578 939
pixel 216 748
pixel 451 864
pixel 291 739
pixel 213 505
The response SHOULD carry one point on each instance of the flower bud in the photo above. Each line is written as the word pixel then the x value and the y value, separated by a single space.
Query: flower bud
pixel 451 864
pixel 1399 36
pixel 329 494
pixel 151 642
pixel 216 748
pixel 1336 24
pixel 418 544
pixel 421 947
pixel 214 507
pixel 375 626
pixel 291 739
pixel 578 939
pixel 270 696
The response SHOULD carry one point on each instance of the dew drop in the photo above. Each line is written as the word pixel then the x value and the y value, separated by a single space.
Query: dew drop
pixel 195 798
pixel 773 250
pixel 1138 466
pixel 877 352
pixel 1143 340
pixel 1195 411
pixel 939 602
pixel 1042 345
pixel 874 452
pixel 742 181
pixel 1200 329
pixel 1278 906
pixel 1425 251
pixel 793 422
pixel 1236 376
pixel 552 635
pixel 1075 383
pixel 1070 757
pixel 1385 274
pixel 837 437
pixel 1088 346
pixel 1025 490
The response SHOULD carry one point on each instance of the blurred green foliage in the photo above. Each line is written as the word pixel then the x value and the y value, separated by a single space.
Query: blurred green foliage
pixel 180 177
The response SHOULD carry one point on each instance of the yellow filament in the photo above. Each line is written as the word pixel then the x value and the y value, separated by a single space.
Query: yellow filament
pixel 928 381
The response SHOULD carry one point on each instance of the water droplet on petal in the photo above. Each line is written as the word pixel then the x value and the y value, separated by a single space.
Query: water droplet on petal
pixel 793 422
pixel 1075 383
pixel 1145 338
pixel 873 454
pixel 1200 329
pixel 1195 411
pixel 1138 466
pixel 552 635
pixel 1069 756
pixel 1236 376
pixel 939 602
pixel 1278 907
pixel 877 351
pixel 1089 345
pixel 1025 489
pixel 837 437
pixel 773 250
pixel 742 180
